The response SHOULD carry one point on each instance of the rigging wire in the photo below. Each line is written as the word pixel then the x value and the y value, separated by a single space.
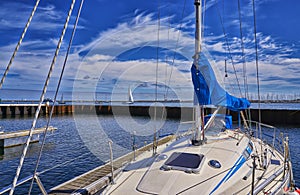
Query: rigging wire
pixel 243 52
pixel 156 80
pixel 167 83
pixel 41 100
pixel 176 47
pixel 257 72
pixel 228 47
pixel 63 164
pixel 166 71
pixel 256 57
pixel 49 169
pixel 56 93
pixel 19 43
pixel 230 55
pixel 248 114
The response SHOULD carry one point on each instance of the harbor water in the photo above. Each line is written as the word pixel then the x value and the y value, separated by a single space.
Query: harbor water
pixel 81 144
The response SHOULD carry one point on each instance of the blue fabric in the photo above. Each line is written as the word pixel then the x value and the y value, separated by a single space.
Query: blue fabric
pixel 208 91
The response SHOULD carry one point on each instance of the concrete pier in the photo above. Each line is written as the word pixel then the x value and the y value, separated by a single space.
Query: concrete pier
pixel 15 138
pixel 268 116
pixel 19 109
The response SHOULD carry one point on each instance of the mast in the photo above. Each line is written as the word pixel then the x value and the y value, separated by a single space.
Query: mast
pixel 198 109
pixel 197 4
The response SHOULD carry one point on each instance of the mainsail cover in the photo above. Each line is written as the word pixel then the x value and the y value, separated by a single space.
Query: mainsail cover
pixel 209 92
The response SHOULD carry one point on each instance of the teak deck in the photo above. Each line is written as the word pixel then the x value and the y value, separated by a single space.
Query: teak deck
pixel 96 179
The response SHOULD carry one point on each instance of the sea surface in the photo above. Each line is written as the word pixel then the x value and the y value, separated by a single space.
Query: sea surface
pixel 81 143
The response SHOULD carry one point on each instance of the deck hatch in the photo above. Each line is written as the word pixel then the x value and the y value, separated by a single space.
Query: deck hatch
pixel 275 162
pixel 188 162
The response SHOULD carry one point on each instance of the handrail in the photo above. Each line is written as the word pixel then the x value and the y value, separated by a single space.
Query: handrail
pixel 263 124
pixel 267 181
pixel 276 136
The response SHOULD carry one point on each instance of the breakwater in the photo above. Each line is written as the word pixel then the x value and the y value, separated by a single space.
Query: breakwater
pixel 268 116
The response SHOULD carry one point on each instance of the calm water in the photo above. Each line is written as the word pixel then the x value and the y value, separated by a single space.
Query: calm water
pixel 81 144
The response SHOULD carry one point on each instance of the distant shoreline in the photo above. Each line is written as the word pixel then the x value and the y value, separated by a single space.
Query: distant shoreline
pixel 275 101
pixel 146 101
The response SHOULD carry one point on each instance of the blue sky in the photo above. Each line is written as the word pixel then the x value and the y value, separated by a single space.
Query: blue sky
pixel 115 45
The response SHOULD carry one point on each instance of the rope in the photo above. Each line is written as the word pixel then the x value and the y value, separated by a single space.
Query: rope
pixel 19 43
pixel 56 93
pixel 41 100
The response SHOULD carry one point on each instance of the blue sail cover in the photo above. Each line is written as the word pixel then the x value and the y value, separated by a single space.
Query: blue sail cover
pixel 209 92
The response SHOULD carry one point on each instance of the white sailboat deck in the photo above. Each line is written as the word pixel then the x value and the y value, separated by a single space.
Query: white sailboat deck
pixel 146 175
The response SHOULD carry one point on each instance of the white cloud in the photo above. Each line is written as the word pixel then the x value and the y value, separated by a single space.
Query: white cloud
pixel 141 31
pixel 99 57
pixel 46 18
pixel 274 58
pixel 291 61
pixel 277 67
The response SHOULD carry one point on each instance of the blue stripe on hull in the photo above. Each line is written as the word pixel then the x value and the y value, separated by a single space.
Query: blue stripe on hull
pixel 237 165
